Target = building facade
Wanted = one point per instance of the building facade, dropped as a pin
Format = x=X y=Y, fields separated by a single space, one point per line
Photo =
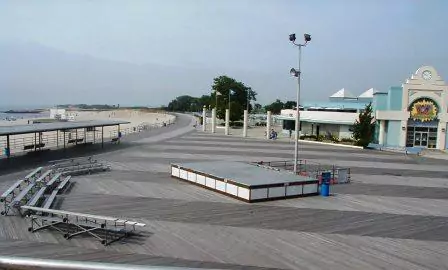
x=415 y=114
x=333 y=118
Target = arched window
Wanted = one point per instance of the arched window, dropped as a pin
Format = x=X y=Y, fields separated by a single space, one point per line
x=423 y=109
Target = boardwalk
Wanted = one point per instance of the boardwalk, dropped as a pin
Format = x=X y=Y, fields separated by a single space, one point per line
x=393 y=216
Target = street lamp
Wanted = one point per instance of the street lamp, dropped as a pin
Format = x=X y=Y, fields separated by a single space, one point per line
x=297 y=73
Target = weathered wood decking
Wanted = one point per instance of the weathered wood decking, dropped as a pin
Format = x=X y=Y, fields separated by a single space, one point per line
x=373 y=223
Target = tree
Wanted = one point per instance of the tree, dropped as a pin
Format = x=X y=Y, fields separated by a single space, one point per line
x=188 y=103
x=258 y=108
x=275 y=107
x=239 y=94
x=364 y=127
x=289 y=105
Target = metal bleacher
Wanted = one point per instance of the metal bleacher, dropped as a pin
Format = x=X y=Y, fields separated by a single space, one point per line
x=78 y=166
x=35 y=194
x=20 y=191
x=106 y=229
x=33 y=190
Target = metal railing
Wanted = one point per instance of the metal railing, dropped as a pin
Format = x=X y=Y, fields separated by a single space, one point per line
x=339 y=175
x=13 y=262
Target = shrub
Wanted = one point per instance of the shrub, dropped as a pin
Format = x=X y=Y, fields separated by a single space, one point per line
x=349 y=140
x=308 y=137
x=237 y=124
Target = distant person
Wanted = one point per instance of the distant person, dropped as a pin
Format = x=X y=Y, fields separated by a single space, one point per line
x=290 y=133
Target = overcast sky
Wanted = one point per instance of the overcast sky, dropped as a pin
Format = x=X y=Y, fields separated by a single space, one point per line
x=147 y=52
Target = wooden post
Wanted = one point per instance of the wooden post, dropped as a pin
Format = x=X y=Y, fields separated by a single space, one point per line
x=102 y=136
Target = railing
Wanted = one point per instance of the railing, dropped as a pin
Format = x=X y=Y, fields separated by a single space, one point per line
x=339 y=175
x=10 y=262
x=141 y=127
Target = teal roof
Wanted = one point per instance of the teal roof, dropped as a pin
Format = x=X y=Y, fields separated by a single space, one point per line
x=355 y=104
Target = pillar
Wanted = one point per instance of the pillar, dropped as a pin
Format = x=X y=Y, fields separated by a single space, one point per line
x=8 y=147
x=227 y=121
x=403 y=133
x=204 y=117
x=213 y=120
x=441 y=135
x=381 y=133
x=268 y=124
x=246 y=120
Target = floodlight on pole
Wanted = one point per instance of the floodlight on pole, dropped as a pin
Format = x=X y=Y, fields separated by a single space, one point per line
x=297 y=74
x=294 y=72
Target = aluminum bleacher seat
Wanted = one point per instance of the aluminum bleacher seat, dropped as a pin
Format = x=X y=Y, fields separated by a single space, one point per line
x=38 y=197
x=56 y=179
x=44 y=178
x=50 y=200
x=64 y=184
x=34 y=174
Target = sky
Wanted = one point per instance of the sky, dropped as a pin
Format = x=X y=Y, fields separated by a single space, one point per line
x=145 y=52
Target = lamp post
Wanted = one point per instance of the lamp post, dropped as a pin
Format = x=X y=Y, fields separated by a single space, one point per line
x=297 y=74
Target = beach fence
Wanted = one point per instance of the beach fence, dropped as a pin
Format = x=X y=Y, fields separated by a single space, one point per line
x=339 y=175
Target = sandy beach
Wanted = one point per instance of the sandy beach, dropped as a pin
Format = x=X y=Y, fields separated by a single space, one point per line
x=138 y=120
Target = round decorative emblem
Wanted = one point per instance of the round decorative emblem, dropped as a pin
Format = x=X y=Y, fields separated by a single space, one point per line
x=424 y=110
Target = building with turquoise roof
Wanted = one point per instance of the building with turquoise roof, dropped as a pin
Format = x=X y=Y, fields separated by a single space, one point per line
x=331 y=118
x=414 y=114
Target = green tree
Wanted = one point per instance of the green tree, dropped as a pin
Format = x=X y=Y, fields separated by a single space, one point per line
x=364 y=127
x=184 y=104
x=275 y=107
x=239 y=94
x=289 y=104
x=258 y=108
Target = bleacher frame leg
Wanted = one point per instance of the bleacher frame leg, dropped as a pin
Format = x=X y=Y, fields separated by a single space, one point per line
x=42 y=225
x=81 y=229
x=6 y=207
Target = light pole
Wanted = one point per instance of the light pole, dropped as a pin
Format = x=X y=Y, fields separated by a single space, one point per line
x=297 y=74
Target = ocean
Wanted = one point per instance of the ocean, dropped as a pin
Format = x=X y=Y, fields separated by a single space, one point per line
x=15 y=116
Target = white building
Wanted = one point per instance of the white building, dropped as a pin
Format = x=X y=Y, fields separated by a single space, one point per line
x=58 y=114
x=333 y=118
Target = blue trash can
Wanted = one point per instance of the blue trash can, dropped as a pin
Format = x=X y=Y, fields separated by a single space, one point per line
x=325 y=187
x=325 y=190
